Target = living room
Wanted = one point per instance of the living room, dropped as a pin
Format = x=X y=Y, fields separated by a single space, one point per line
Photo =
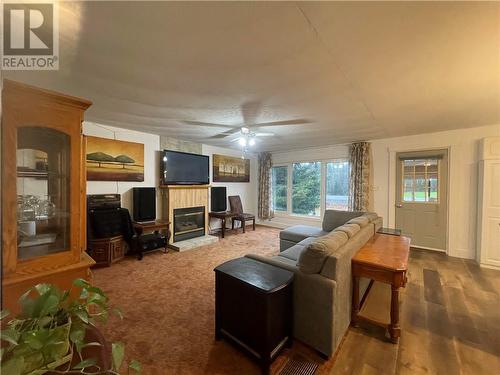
x=250 y=187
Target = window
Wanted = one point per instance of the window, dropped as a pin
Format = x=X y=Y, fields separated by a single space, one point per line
x=337 y=185
x=420 y=180
x=306 y=188
x=280 y=188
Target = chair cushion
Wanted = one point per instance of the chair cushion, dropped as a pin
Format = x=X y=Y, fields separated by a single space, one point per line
x=335 y=218
x=244 y=217
x=349 y=229
x=360 y=220
x=312 y=258
x=298 y=233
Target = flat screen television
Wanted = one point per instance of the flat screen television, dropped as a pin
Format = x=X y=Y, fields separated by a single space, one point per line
x=182 y=168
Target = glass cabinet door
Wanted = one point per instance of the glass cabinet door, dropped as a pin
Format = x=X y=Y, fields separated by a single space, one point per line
x=43 y=192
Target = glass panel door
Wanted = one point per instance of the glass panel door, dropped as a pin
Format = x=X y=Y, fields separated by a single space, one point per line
x=43 y=192
x=420 y=180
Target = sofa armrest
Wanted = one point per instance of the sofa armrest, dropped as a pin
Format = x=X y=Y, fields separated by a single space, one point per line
x=273 y=262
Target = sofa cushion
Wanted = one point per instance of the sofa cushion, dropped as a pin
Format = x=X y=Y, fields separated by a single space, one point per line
x=335 y=218
x=360 y=220
x=312 y=258
x=349 y=229
x=293 y=252
x=370 y=216
x=298 y=233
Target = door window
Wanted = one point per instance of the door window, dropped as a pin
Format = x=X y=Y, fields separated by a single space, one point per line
x=420 y=180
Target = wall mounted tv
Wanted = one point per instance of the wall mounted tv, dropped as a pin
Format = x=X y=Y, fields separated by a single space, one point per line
x=182 y=168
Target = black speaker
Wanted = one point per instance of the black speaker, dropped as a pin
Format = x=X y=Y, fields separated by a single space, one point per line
x=144 y=204
x=218 y=198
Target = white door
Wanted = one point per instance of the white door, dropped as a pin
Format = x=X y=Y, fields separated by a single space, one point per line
x=421 y=197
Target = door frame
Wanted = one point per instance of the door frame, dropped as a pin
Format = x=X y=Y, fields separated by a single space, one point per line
x=393 y=163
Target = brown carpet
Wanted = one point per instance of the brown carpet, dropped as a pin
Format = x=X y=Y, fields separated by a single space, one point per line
x=168 y=303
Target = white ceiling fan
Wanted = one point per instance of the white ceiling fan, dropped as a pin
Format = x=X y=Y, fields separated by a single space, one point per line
x=249 y=130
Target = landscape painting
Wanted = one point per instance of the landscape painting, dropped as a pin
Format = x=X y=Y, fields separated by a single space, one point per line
x=230 y=169
x=112 y=160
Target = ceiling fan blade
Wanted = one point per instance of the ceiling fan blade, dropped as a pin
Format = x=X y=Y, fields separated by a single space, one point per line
x=264 y=134
x=250 y=111
x=209 y=124
x=226 y=134
x=299 y=121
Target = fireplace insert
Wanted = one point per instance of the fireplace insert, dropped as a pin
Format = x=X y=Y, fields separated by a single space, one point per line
x=189 y=223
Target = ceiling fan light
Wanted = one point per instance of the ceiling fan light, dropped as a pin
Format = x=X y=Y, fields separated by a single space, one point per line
x=251 y=142
x=242 y=141
x=245 y=130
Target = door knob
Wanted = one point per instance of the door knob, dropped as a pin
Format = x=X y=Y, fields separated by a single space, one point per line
x=399 y=205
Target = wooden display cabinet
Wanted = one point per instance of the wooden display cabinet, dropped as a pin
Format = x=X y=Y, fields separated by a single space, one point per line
x=43 y=190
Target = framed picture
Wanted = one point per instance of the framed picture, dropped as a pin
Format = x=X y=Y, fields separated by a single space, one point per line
x=112 y=160
x=230 y=169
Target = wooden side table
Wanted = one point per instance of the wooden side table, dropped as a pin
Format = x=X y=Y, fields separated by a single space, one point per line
x=253 y=307
x=156 y=227
x=385 y=259
x=223 y=216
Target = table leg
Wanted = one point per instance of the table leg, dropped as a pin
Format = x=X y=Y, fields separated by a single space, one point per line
x=394 y=328
x=223 y=229
x=355 y=301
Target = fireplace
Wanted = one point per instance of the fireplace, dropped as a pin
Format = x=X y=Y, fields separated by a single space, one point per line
x=188 y=223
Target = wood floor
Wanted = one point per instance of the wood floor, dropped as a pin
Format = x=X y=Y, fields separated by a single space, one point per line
x=450 y=319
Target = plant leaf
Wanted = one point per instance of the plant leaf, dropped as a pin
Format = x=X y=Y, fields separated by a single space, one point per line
x=81 y=283
x=83 y=315
x=77 y=335
x=10 y=335
x=86 y=363
x=117 y=354
x=34 y=342
x=4 y=314
x=135 y=365
x=13 y=366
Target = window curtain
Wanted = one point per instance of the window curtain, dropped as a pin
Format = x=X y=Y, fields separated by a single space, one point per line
x=265 y=211
x=359 y=192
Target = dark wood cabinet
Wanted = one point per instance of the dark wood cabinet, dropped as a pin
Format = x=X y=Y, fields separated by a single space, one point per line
x=253 y=307
x=106 y=251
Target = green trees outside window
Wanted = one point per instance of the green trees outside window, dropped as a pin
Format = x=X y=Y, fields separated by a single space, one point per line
x=306 y=188
x=280 y=188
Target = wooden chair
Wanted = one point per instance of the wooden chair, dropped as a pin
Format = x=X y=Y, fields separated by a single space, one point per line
x=237 y=209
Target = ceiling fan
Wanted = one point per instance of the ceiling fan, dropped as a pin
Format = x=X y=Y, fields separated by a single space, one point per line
x=249 y=130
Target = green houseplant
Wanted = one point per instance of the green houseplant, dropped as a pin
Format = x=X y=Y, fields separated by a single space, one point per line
x=51 y=330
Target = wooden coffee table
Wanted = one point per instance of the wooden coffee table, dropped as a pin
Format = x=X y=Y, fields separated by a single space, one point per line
x=384 y=258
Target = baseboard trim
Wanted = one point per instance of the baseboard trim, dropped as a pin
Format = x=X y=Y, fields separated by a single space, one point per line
x=489 y=266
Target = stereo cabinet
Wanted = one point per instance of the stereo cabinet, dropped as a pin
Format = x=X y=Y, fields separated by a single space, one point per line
x=106 y=251
x=43 y=190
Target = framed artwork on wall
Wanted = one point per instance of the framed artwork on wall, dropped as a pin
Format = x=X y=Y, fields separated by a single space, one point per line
x=112 y=160
x=230 y=169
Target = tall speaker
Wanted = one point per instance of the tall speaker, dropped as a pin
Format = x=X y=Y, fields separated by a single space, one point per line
x=218 y=199
x=144 y=204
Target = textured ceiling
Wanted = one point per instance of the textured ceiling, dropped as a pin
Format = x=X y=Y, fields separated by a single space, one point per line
x=355 y=70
